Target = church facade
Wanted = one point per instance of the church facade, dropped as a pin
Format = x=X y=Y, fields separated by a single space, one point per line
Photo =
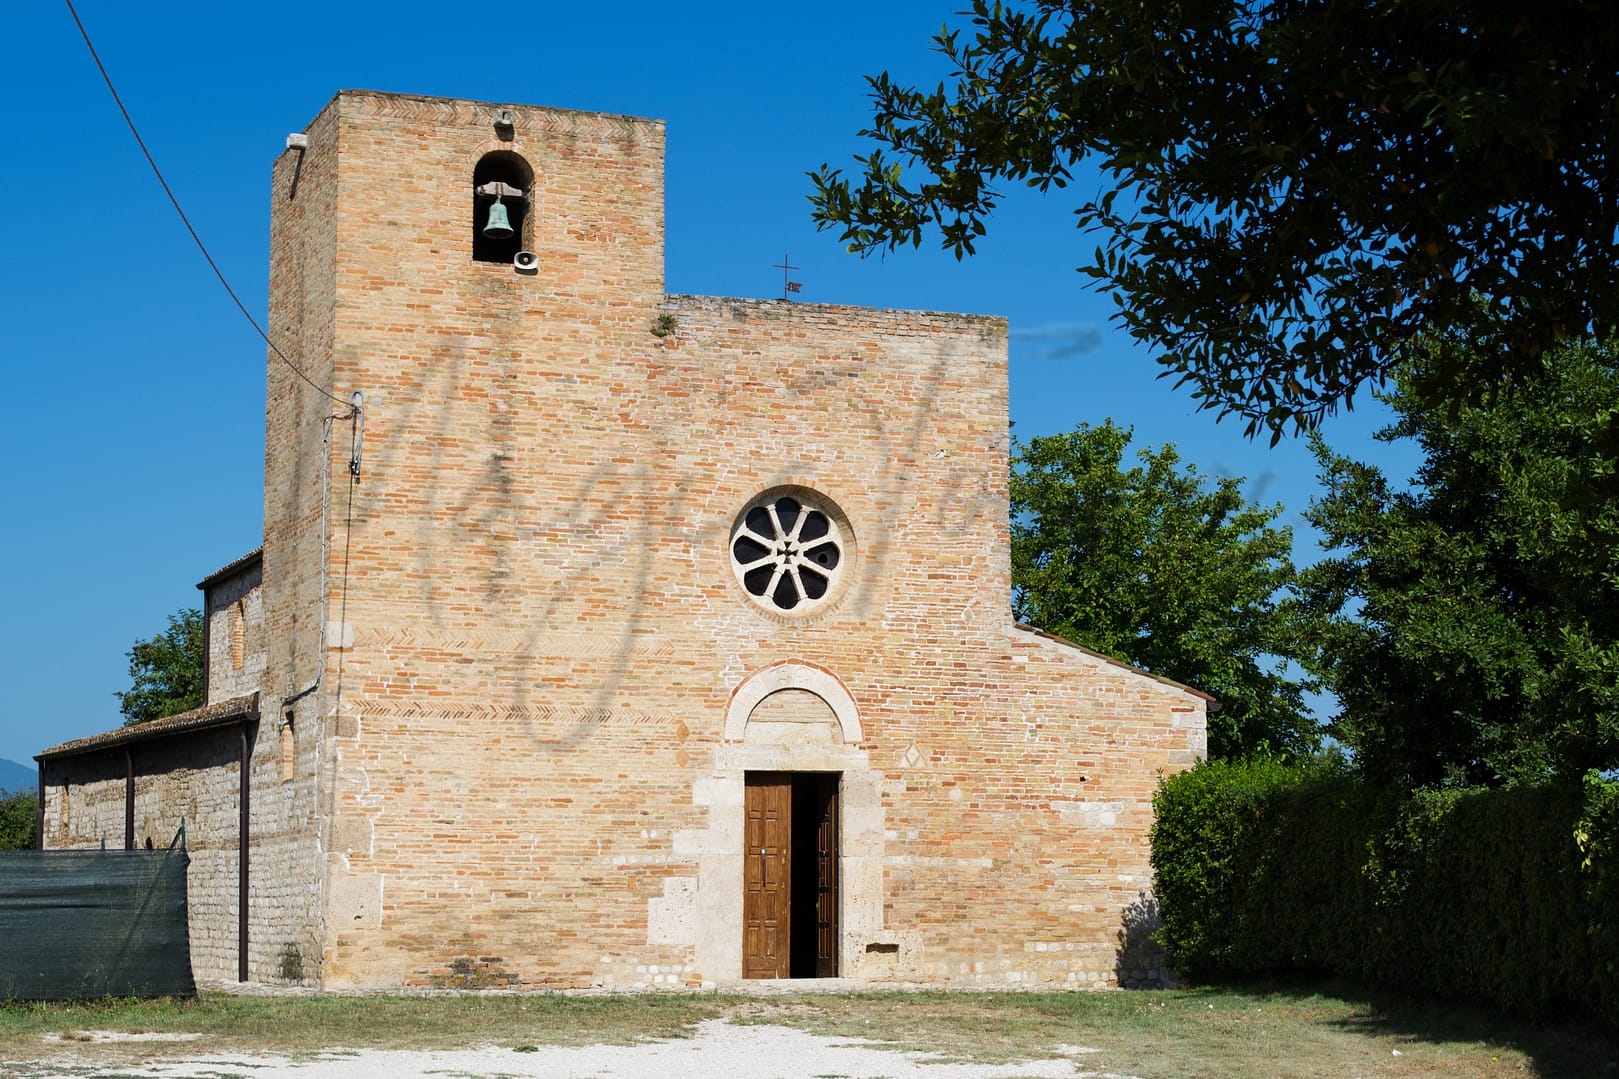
x=607 y=637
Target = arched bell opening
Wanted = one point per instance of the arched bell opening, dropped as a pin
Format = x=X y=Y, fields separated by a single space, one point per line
x=502 y=186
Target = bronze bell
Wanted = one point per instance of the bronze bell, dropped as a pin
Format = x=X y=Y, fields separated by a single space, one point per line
x=499 y=225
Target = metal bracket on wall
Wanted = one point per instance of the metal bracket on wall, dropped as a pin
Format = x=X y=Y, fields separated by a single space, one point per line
x=500 y=188
x=300 y=142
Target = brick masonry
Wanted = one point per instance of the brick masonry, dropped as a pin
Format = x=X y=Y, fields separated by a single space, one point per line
x=535 y=685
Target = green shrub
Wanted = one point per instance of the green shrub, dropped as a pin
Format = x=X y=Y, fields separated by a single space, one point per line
x=19 y=811
x=1208 y=827
x=1596 y=834
x=1506 y=897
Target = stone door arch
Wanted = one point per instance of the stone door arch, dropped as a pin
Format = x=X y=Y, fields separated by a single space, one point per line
x=790 y=717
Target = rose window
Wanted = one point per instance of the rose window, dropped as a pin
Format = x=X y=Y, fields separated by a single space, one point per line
x=788 y=552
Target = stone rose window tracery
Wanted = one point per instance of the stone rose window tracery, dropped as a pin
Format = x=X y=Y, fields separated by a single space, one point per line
x=789 y=550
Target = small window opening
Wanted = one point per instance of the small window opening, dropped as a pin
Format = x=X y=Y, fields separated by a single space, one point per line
x=289 y=751
x=502 y=179
x=238 y=636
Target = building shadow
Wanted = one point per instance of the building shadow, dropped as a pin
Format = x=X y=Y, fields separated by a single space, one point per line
x=1141 y=963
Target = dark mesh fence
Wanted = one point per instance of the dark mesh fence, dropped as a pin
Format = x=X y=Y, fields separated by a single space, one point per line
x=85 y=923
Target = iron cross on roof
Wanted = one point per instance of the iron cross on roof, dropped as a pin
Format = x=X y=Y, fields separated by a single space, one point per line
x=788 y=285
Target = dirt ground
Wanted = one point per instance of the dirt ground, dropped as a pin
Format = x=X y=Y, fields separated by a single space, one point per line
x=718 y=1049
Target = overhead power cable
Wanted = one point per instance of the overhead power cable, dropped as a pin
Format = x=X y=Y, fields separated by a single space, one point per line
x=186 y=220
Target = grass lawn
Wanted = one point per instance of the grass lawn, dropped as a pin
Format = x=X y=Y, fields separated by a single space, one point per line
x=1178 y=1034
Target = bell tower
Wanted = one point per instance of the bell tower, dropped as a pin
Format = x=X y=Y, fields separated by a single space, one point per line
x=460 y=264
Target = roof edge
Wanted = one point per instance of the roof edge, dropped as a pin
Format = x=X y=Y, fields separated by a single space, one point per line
x=219 y=714
x=776 y=305
x=1213 y=701
x=230 y=569
x=352 y=92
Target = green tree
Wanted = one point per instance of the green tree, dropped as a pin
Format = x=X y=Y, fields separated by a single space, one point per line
x=19 y=812
x=1161 y=568
x=1470 y=624
x=1290 y=191
x=165 y=671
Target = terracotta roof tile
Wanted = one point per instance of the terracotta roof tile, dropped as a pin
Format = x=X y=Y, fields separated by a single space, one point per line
x=218 y=714
x=230 y=569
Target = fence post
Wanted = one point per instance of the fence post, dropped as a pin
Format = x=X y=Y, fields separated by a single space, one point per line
x=39 y=810
x=129 y=799
x=243 y=841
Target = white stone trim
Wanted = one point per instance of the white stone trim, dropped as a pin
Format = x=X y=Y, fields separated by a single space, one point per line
x=716 y=925
x=825 y=685
x=786 y=557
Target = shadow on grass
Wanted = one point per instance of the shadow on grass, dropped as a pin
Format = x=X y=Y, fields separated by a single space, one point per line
x=1557 y=1049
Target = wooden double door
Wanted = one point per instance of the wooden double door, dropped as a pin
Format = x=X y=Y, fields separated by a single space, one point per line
x=790 y=903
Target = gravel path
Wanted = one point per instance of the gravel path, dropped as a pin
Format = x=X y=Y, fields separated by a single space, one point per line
x=719 y=1049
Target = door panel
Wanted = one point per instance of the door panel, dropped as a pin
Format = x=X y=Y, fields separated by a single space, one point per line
x=777 y=853
x=767 y=875
x=826 y=866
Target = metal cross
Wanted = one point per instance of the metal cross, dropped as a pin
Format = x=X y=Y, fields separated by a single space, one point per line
x=788 y=285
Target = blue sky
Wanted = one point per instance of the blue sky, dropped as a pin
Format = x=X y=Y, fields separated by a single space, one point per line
x=134 y=389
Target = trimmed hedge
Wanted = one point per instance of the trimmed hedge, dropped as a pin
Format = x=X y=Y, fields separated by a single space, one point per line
x=1503 y=897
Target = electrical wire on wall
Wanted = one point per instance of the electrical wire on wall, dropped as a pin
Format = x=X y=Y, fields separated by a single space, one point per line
x=357 y=433
x=354 y=406
x=175 y=202
x=356 y=417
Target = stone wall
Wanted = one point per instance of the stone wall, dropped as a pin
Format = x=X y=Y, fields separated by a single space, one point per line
x=193 y=779
x=237 y=656
x=187 y=769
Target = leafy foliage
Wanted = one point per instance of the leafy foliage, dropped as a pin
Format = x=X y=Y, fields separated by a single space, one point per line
x=1159 y=567
x=19 y=813
x=165 y=671
x=1503 y=896
x=1207 y=833
x=1291 y=191
x=1471 y=624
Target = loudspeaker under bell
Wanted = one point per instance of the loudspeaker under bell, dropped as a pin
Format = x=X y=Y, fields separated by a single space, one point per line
x=499 y=225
